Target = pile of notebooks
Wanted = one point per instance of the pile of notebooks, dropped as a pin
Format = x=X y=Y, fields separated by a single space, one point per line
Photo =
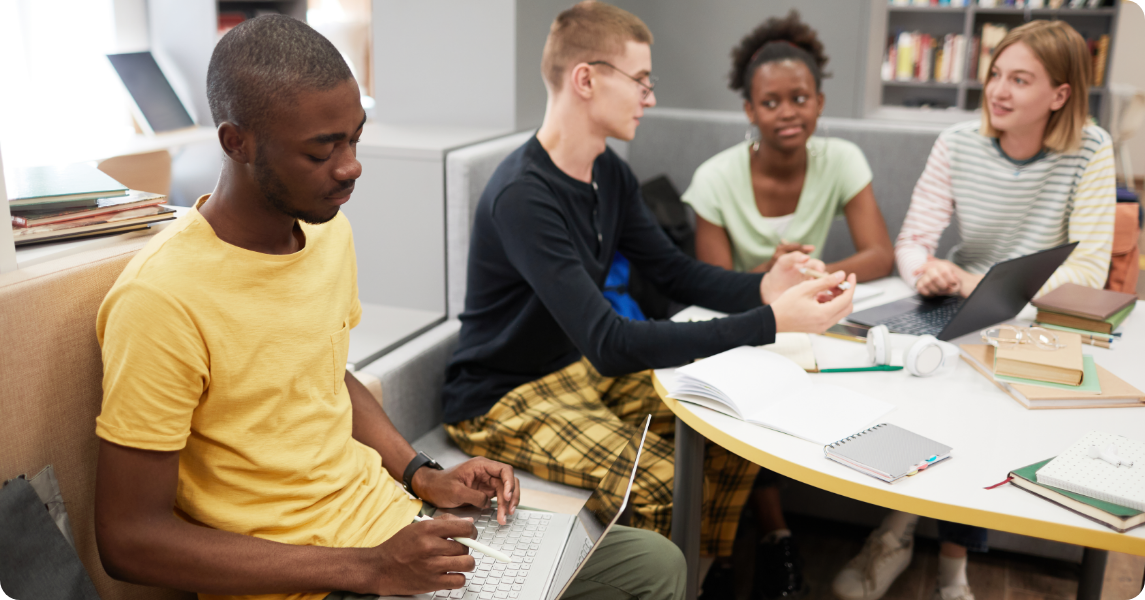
x=1092 y=313
x=78 y=200
x=1062 y=378
x=1113 y=495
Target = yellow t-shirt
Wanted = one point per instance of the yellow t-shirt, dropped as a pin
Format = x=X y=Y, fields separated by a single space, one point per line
x=236 y=359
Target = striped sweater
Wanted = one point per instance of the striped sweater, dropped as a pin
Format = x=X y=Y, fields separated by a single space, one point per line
x=1006 y=208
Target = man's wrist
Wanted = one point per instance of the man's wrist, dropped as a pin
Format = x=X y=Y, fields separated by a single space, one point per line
x=420 y=482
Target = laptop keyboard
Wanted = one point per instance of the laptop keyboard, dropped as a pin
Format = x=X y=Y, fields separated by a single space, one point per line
x=924 y=322
x=520 y=537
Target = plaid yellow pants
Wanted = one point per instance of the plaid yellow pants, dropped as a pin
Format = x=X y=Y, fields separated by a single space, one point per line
x=569 y=426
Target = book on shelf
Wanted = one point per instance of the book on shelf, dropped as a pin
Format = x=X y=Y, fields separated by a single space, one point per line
x=134 y=199
x=992 y=34
x=769 y=390
x=1075 y=470
x=1115 y=392
x=1116 y=517
x=921 y=57
x=92 y=225
x=1100 y=58
x=78 y=184
x=1064 y=365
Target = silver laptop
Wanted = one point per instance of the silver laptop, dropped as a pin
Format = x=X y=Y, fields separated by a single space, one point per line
x=548 y=549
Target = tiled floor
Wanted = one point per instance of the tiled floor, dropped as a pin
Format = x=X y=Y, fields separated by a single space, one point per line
x=827 y=546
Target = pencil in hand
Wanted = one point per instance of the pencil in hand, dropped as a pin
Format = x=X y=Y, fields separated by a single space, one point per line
x=846 y=285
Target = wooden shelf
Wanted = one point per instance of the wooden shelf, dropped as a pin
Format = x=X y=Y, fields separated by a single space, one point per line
x=1048 y=12
x=927 y=9
x=922 y=84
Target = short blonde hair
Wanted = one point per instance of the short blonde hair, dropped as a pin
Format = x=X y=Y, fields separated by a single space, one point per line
x=589 y=31
x=1063 y=53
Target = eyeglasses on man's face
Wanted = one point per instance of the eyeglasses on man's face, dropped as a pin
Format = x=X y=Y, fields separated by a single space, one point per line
x=645 y=88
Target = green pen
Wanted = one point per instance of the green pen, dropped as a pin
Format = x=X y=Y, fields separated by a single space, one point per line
x=855 y=369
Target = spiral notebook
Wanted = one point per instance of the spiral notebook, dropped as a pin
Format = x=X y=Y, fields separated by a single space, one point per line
x=886 y=452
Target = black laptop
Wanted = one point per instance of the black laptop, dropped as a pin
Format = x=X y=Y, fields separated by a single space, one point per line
x=1000 y=296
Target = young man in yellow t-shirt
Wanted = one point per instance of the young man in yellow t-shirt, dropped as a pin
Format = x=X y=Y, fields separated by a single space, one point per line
x=237 y=455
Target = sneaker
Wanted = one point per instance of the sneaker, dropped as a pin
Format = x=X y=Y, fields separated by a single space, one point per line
x=778 y=571
x=868 y=576
x=953 y=592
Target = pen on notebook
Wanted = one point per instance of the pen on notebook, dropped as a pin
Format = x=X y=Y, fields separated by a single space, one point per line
x=478 y=546
x=846 y=285
x=857 y=369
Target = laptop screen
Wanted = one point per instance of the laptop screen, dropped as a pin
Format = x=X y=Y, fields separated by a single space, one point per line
x=610 y=497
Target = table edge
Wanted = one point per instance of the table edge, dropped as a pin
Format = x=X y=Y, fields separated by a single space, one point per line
x=1104 y=540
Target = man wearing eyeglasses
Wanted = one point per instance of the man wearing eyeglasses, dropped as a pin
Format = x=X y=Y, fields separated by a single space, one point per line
x=547 y=377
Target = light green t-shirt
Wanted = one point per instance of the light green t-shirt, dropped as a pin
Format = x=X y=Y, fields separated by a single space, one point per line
x=721 y=192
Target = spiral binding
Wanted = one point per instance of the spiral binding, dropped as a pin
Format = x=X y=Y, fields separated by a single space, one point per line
x=851 y=437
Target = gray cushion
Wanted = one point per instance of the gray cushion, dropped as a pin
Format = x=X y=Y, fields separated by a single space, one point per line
x=412 y=376
x=676 y=141
x=467 y=170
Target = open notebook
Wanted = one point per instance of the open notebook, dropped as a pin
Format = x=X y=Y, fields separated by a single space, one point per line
x=770 y=390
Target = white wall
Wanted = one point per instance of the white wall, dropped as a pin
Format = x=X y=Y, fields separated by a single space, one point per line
x=692 y=49
x=445 y=62
x=1128 y=53
x=693 y=42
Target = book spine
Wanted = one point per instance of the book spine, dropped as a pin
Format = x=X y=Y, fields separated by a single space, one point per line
x=19 y=221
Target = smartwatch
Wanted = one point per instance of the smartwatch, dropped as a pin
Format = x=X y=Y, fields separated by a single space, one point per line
x=421 y=460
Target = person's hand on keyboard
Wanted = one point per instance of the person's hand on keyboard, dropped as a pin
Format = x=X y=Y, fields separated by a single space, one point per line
x=800 y=308
x=420 y=558
x=940 y=277
x=476 y=481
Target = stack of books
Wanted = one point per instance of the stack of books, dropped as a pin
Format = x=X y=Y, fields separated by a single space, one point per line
x=915 y=56
x=1092 y=487
x=73 y=201
x=1094 y=314
x=1070 y=380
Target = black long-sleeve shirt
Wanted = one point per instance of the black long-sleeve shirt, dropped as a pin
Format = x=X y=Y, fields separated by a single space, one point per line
x=540 y=250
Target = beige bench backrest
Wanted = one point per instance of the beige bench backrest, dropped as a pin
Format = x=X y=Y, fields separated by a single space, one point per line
x=50 y=388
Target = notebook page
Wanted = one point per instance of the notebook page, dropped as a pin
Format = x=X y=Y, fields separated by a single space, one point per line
x=822 y=413
x=749 y=378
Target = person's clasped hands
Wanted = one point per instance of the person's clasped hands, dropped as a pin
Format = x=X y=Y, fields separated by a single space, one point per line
x=939 y=277
x=800 y=303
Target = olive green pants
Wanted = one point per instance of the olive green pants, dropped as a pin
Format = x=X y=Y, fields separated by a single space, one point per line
x=629 y=563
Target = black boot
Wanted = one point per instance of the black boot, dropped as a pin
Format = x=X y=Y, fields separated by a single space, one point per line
x=778 y=571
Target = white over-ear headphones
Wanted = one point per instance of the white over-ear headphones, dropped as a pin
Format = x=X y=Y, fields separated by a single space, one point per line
x=926 y=356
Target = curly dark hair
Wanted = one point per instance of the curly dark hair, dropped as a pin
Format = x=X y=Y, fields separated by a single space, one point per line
x=788 y=38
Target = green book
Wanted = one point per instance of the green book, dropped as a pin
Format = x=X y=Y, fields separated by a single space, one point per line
x=1119 y=316
x=79 y=184
x=1116 y=517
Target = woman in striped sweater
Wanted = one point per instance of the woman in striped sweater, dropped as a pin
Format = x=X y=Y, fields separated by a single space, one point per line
x=1030 y=176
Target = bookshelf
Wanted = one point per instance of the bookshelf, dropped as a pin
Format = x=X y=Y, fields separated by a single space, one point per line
x=953 y=101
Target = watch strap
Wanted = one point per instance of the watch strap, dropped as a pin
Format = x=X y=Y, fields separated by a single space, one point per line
x=420 y=460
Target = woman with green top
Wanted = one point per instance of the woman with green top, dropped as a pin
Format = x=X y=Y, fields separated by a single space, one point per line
x=780 y=190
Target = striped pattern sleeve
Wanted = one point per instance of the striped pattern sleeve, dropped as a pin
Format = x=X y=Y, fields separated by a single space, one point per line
x=1091 y=224
x=931 y=207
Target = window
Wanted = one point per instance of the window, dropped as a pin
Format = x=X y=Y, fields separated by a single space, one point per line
x=59 y=97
